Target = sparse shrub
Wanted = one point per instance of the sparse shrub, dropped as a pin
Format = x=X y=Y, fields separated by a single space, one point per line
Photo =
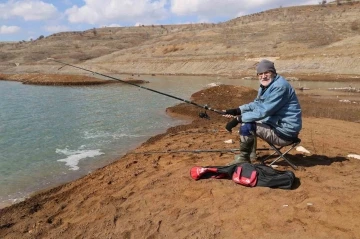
x=40 y=37
x=172 y=48
x=355 y=25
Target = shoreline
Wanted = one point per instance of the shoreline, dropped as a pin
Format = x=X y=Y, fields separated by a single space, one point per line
x=64 y=79
x=142 y=195
x=112 y=160
x=171 y=111
x=85 y=79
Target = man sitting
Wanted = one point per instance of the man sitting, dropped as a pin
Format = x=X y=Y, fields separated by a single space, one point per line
x=274 y=116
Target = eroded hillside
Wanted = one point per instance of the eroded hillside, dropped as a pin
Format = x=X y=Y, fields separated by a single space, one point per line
x=305 y=39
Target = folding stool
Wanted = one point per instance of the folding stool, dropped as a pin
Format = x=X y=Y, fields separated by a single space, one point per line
x=292 y=145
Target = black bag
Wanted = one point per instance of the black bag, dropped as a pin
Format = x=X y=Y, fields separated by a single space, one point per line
x=247 y=174
x=272 y=178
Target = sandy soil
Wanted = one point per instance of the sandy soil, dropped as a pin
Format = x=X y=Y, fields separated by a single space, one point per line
x=151 y=195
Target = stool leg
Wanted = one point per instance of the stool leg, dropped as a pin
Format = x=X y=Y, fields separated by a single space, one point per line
x=281 y=155
x=275 y=151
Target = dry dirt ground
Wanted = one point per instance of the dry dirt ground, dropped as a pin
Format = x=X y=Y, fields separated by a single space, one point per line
x=144 y=195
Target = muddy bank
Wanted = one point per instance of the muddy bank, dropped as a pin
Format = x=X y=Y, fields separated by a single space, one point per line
x=63 y=79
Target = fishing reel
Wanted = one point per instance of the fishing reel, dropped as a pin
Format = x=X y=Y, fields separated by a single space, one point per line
x=204 y=115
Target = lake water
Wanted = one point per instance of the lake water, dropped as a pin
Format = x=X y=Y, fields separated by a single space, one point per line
x=51 y=135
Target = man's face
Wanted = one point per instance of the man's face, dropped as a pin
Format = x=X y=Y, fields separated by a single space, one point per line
x=266 y=78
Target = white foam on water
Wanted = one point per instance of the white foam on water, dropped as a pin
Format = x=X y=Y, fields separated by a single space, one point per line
x=74 y=156
x=102 y=134
x=213 y=84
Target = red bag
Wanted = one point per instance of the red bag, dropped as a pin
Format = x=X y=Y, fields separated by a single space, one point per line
x=246 y=175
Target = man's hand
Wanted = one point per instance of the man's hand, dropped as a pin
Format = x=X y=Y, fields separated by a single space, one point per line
x=233 y=123
x=234 y=112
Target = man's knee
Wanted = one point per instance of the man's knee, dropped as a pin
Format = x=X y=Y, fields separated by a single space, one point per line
x=248 y=129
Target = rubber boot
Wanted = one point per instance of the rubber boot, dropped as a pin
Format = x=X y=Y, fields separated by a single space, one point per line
x=246 y=146
x=253 y=155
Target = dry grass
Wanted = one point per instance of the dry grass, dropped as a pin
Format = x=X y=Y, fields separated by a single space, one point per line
x=172 y=48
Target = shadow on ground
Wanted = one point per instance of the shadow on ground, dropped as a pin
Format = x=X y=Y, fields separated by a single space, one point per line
x=306 y=161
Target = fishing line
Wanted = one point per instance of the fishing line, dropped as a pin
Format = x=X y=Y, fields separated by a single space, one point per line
x=188 y=151
x=201 y=115
x=194 y=151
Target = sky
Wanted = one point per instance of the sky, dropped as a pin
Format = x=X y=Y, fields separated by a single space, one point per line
x=29 y=19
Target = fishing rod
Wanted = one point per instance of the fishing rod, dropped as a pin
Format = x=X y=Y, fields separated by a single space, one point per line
x=201 y=114
x=193 y=151
x=188 y=151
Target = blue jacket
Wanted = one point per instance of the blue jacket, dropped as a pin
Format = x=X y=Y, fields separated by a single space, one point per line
x=276 y=105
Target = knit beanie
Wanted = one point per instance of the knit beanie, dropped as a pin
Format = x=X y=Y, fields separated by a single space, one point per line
x=265 y=65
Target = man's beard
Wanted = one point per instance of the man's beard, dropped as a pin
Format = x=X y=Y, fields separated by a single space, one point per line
x=266 y=83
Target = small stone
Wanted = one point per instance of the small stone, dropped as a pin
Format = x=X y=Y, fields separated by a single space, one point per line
x=230 y=141
x=302 y=149
x=356 y=156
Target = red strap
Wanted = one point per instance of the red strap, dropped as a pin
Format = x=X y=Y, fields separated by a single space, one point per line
x=237 y=178
x=197 y=172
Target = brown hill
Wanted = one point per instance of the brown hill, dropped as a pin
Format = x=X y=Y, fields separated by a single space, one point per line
x=314 y=39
